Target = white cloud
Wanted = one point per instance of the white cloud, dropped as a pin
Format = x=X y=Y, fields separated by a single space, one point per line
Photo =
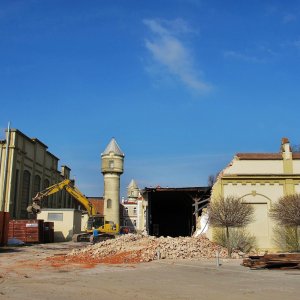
x=169 y=51
x=244 y=57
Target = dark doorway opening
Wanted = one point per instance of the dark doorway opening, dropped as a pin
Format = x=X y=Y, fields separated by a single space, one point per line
x=172 y=211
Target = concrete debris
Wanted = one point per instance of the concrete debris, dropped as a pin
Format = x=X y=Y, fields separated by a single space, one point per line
x=149 y=248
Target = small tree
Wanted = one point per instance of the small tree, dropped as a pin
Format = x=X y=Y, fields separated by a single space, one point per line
x=287 y=213
x=228 y=212
x=211 y=180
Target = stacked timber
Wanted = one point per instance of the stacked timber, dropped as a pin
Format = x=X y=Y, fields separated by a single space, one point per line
x=273 y=261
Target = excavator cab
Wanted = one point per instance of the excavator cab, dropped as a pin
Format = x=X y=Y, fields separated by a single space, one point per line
x=95 y=221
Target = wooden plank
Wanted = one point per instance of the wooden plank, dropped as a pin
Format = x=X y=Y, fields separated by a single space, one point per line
x=275 y=261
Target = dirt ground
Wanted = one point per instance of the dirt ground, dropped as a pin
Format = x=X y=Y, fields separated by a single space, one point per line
x=38 y=272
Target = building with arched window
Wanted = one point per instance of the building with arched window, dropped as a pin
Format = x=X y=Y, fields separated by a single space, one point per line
x=260 y=179
x=132 y=213
x=27 y=167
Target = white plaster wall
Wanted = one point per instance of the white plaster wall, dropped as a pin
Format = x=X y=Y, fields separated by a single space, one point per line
x=261 y=197
x=255 y=167
x=139 y=216
x=84 y=220
x=63 y=230
x=270 y=191
x=296 y=166
x=297 y=188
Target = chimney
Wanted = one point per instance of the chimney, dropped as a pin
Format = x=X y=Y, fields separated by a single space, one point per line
x=286 y=148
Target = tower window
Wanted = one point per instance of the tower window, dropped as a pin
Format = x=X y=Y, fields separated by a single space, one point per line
x=109 y=203
x=111 y=164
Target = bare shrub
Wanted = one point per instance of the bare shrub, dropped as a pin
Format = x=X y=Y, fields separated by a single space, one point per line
x=227 y=212
x=212 y=179
x=286 y=212
x=285 y=238
x=240 y=239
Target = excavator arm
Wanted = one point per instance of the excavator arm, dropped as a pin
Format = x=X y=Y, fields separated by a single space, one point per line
x=67 y=185
x=75 y=193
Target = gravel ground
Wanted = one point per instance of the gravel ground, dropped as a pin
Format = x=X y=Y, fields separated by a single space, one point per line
x=29 y=272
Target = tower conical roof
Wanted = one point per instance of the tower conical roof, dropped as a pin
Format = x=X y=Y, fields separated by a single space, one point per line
x=113 y=147
x=132 y=184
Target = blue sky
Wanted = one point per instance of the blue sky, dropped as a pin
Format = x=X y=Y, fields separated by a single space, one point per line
x=181 y=84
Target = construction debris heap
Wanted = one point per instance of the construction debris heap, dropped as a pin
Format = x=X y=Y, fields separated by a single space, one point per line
x=134 y=248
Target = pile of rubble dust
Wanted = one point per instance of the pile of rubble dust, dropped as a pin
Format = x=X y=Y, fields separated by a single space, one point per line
x=135 y=248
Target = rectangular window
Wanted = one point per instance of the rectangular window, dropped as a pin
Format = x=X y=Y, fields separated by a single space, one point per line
x=111 y=164
x=55 y=217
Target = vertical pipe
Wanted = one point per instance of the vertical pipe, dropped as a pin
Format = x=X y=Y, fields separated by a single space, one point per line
x=5 y=169
x=1 y=160
x=1 y=181
x=218 y=258
x=1 y=156
x=11 y=168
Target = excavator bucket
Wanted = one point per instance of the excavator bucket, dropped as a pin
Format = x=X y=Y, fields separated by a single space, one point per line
x=34 y=209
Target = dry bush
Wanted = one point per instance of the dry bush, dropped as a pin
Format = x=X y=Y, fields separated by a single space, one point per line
x=285 y=238
x=227 y=212
x=240 y=239
x=286 y=212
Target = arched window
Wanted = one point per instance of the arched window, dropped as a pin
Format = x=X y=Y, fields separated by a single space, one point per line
x=46 y=199
x=134 y=210
x=126 y=211
x=109 y=203
x=25 y=194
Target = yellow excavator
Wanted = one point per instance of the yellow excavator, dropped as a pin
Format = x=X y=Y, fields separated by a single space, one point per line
x=105 y=229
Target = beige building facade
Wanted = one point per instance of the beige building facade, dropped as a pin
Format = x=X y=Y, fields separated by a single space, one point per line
x=133 y=213
x=67 y=222
x=27 y=167
x=260 y=179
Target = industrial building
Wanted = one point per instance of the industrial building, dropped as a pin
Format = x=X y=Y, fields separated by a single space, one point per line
x=27 y=167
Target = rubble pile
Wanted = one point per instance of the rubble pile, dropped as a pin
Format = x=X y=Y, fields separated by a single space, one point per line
x=148 y=248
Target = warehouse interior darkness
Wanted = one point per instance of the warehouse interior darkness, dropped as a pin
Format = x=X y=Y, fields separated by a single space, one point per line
x=171 y=211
